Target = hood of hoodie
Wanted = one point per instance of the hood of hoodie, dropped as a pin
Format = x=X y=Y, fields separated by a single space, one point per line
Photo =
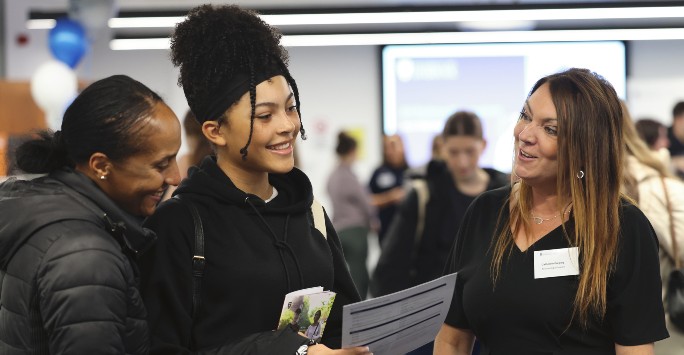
x=295 y=193
x=29 y=205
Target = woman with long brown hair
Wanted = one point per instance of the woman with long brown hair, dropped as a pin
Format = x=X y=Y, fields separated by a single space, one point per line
x=559 y=263
x=660 y=195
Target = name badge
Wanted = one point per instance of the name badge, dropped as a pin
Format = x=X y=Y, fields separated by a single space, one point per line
x=556 y=262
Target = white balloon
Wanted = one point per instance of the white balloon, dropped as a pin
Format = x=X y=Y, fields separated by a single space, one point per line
x=53 y=87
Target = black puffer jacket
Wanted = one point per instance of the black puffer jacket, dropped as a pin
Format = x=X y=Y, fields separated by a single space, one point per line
x=68 y=284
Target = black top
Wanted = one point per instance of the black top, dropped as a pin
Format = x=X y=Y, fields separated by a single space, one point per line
x=401 y=264
x=524 y=315
x=385 y=178
x=255 y=253
x=676 y=147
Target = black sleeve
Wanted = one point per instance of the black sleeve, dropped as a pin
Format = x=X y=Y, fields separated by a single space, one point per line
x=343 y=286
x=635 y=308
x=455 y=262
x=166 y=286
x=392 y=271
x=373 y=183
x=260 y=343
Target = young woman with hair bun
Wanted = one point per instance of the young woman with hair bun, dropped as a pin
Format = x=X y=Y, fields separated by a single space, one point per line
x=262 y=236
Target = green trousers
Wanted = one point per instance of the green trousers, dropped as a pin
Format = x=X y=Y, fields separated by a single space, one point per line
x=355 y=246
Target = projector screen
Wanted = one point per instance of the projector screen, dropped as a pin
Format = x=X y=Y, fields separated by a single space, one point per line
x=423 y=85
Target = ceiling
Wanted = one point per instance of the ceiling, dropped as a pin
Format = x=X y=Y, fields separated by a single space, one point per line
x=137 y=8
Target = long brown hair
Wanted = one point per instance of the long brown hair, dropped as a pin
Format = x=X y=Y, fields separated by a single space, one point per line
x=637 y=148
x=589 y=140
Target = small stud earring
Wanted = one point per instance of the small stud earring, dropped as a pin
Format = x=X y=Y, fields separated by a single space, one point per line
x=103 y=177
x=580 y=174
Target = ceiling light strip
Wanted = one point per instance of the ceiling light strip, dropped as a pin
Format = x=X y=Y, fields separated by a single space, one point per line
x=441 y=37
x=413 y=17
x=483 y=15
x=145 y=22
x=485 y=37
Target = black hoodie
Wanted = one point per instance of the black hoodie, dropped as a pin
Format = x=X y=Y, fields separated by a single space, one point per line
x=256 y=252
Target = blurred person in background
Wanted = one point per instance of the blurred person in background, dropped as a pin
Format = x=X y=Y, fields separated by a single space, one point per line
x=648 y=180
x=416 y=247
x=675 y=134
x=452 y=182
x=653 y=133
x=352 y=214
x=387 y=181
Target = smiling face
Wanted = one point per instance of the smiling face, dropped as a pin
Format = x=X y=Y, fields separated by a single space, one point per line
x=276 y=126
x=136 y=183
x=536 y=140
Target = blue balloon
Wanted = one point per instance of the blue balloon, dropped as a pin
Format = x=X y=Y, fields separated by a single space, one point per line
x=68 y=41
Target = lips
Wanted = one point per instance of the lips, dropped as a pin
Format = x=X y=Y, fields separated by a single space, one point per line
x=522 y=152
x=157 y=195
x=280 y=146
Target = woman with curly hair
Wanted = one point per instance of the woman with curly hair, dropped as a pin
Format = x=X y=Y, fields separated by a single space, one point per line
x=263 y=237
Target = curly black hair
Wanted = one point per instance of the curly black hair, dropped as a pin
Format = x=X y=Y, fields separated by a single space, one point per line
x=218 y=45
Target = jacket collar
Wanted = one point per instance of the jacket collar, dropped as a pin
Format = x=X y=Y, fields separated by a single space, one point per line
x=125 y=228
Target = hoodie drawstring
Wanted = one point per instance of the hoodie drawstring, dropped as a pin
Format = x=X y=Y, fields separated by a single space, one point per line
x=281 y=245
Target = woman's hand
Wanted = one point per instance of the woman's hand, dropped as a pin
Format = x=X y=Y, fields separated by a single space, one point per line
x=320 y=349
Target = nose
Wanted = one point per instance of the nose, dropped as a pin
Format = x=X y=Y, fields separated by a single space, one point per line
x=288 y=123
x=462 y=161
x=173 y=174
x=526 y=135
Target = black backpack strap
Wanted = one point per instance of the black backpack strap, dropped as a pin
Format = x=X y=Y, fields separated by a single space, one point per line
x=198 y=261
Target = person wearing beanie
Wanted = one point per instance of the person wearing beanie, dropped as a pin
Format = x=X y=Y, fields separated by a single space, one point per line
x=257 y=212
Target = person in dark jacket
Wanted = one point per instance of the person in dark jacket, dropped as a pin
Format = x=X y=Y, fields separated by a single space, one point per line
x=418 y=241
x=435 y=212
x=69 y=239
x=387 y=182
x=261 y=239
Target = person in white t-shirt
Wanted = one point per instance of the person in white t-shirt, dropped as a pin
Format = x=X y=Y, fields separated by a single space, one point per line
x=313 y=332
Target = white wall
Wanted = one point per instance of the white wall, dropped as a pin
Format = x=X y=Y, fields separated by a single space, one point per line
x=656 y=78
x=340 y=86
x=340 y=89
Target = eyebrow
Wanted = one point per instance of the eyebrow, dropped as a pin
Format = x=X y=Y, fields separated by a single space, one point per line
x=527 y=106
x=271 y=104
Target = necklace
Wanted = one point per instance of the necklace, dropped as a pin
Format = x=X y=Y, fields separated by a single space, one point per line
x=540 y=220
